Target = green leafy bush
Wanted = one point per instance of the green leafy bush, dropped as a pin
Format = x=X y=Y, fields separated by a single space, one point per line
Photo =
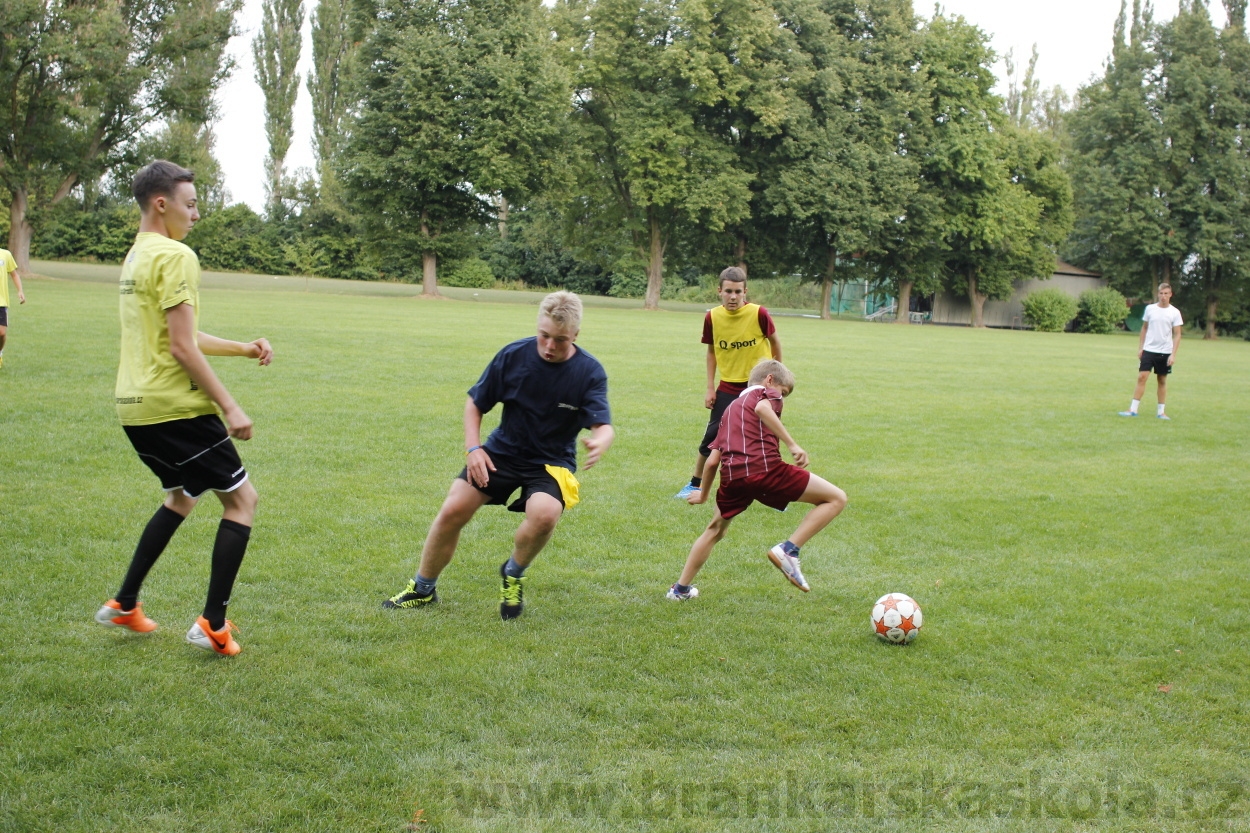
x=237 y=239
x=629 y=277
x=473 y=273
x=1050 y=310
x=104 y=235
x=1101 y=310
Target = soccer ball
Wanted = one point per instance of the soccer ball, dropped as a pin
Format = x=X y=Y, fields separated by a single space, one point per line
x=896 y=618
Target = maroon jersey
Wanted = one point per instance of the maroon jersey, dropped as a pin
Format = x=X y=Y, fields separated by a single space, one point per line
x=748 y=449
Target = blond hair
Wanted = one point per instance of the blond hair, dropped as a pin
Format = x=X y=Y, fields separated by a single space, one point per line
x=781 y=374
x=563 y=308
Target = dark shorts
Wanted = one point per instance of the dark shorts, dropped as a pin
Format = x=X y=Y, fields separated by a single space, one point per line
x=723 y=401
x=4 y=316
x=194 y=455
x=1156 y=363
x=511 y=474
x=778 y=489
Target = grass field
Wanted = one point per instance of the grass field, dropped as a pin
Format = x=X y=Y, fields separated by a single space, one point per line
x=1083 y=663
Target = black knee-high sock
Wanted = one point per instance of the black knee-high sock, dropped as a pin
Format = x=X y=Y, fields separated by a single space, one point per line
x=228 y=551
x=152 y=543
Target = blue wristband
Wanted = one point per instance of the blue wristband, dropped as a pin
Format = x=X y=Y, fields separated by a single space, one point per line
x=471 y=450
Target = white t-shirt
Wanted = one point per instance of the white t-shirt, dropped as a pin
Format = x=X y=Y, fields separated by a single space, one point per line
x=1159 y=322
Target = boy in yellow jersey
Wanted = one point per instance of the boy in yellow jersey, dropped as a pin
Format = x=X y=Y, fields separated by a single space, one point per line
x=9 y=265
x=738 y=335
x=168 y=398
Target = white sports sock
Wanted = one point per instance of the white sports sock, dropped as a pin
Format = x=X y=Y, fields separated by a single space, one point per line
x=1132 y=408
x=1160 y=409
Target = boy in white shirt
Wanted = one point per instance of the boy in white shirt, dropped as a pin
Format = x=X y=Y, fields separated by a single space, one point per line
x=1156 y=351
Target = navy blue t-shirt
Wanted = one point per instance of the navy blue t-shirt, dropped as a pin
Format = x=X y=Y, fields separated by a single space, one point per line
x=545 y=404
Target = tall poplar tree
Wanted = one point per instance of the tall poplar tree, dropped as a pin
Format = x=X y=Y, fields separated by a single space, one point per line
x=276 y=51
x=82 y=81
x=332 y=50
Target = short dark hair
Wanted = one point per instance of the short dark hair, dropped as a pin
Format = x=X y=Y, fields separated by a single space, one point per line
x=734 y=274
x=158 y=179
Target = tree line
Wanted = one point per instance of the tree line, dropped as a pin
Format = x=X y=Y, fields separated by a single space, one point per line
x=627 y=147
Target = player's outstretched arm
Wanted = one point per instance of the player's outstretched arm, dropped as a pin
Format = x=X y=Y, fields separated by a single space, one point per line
x=214 y=346
x=184 y=347
x=599 y=441
x=773 y=423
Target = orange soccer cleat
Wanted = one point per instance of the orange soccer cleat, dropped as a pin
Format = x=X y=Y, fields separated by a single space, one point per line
x=112 y=615
x=203 y=636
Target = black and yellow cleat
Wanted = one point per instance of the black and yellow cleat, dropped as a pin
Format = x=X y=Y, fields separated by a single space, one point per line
x=408 y=598
x=511 y=595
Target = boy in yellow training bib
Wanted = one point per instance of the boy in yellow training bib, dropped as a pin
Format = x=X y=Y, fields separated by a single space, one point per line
x=738 y=335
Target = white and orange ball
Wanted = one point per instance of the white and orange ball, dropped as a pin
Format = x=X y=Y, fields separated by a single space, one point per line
x=897 y=618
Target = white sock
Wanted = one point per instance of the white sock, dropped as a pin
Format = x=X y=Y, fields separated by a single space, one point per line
x=1160 y=409
x=1132 y=408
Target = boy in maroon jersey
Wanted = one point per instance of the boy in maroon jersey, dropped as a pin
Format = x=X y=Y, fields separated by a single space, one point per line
x=748 y=454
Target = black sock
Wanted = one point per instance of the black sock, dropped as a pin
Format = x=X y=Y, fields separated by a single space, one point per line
x=228 y=551
x=696 y=482
x=152 y=543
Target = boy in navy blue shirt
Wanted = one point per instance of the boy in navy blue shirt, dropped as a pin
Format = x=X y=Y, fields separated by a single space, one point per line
x=550 y=390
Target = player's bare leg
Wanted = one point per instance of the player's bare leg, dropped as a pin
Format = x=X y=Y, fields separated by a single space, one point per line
x=457 y=510
x=828 y=502
x=702 y=547
x=238 y=506
x=1140 y=390
x=179 y=501
x=542 y=514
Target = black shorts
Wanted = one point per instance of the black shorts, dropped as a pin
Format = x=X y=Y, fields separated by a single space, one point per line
x=194 y=455
x=1156 y=363
x=723 y=401
x=511 y=474
x=4 y=316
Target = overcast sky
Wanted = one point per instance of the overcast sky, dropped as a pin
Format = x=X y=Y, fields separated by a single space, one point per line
x=1073 y=38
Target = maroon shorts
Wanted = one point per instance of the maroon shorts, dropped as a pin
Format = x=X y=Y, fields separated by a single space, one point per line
x=778 y=489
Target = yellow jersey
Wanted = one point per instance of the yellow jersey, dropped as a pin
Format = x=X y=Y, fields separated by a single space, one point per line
x=158 y=274
x=9 y=265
